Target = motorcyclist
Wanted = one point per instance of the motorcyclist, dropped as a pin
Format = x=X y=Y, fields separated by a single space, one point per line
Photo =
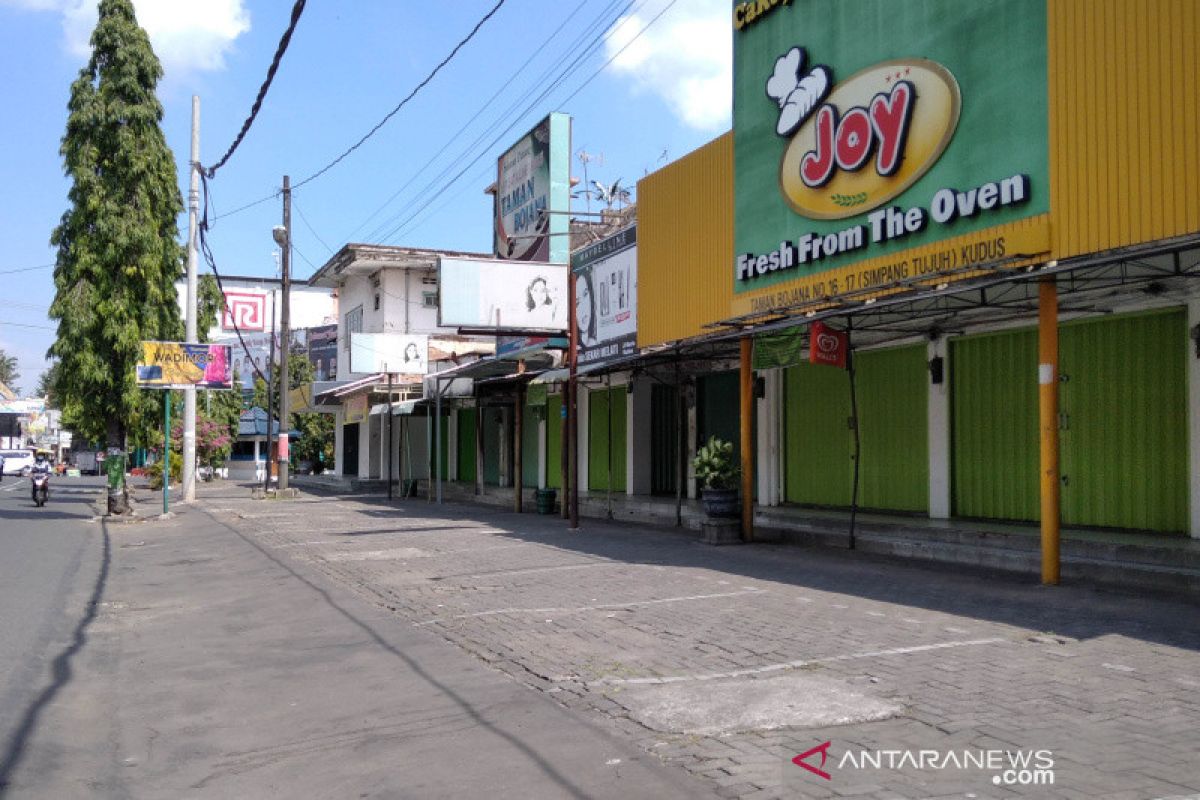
x=41 y=466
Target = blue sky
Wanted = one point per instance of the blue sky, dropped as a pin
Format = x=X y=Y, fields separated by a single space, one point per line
x=349 y=64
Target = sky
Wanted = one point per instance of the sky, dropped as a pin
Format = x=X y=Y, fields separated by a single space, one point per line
x=645 y=82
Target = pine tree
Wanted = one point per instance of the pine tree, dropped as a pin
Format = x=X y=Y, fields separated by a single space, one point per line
x=118 y=242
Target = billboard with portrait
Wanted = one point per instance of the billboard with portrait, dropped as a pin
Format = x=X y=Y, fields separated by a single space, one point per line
x=395 y=353
x=502 y=295
x=606 y=297
x=533 y=194
x=178 y=365
x=323 y=351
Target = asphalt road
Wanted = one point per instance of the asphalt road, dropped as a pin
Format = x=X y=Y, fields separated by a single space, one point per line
x=50 y=561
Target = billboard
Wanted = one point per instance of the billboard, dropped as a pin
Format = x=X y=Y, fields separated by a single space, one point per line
x=606 y=297
x=502 y=295
x=323 y=351
x=879 y=146
x=396 y=353
x=178 y=365
x=256 y=352
x=532 y=181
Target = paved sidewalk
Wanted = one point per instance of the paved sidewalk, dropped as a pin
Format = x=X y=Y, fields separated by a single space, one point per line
x=216 y=666
x=731 y=661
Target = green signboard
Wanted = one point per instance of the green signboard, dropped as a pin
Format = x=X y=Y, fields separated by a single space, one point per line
x=866 y=128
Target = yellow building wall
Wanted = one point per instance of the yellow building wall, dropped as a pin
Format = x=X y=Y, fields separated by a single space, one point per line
x=685 y=244
x=1124 y=122
x=1124 y=138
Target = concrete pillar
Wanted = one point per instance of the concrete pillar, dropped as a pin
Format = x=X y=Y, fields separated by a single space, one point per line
x=1193 y=378
x=543 y=458
x=339 y=420
x=581 y=429
x=939 y=433
x=770 y=439
x=364 y=449
x=691 y=450
x=637 y=437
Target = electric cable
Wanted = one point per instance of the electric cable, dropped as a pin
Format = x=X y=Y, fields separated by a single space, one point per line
x=451 y=139
x=308 y=225
x=575 y=65
x=405 y=101
x=297 y=10
x=601 y=22
x=25 y=269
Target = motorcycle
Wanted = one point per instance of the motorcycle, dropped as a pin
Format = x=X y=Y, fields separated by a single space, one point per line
x=41 y=487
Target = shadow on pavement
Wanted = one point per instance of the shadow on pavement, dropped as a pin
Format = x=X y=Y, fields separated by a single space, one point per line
x=1075 y=610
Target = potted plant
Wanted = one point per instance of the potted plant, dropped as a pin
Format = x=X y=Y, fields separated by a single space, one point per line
x=718 y=476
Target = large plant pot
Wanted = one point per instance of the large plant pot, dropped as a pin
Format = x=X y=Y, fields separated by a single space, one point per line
x=721 y=503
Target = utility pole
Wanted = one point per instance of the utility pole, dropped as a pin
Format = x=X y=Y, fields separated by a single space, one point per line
x=284 y=335
x=270 y=394
x=189 y=394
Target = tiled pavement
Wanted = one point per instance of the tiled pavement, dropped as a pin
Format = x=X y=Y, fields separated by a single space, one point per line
x=614 y=618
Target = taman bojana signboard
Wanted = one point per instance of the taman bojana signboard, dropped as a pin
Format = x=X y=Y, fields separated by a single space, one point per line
x=878 y=142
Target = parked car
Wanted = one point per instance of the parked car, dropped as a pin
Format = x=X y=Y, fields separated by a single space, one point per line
x=17 y=462
x=87 y=462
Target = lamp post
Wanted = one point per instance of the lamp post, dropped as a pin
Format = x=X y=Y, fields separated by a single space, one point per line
x=283 y=238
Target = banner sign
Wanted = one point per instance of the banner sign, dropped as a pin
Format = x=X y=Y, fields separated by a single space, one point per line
x=356 y=409
x=533 y=194
x=875 y=144
x=827 y=346
x=395 y=353
x=323 y=351
x=502 y=295
x=606 y=297
x=178 y=365
x=250 y=352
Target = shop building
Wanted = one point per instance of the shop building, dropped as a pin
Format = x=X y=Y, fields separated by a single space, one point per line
x=1003 y=230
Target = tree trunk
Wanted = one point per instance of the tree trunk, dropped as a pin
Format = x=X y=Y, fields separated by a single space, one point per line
x=118 y=494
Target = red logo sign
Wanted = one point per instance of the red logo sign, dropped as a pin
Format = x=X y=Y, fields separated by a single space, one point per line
x=827 y=346
x=245 y=311
x=823 y=749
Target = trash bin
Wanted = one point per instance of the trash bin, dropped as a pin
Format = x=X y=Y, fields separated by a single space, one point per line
x=545 y=500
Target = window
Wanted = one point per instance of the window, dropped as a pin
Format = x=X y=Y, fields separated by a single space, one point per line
x=429 y=299
x=354 y=324
x=377 y=301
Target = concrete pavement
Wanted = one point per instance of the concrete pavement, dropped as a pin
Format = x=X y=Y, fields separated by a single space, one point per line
x=732 y=662
x=217 y=666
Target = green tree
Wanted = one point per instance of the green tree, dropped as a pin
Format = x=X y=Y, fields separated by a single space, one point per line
x=47 y=386
x=316 y=430
x=209 y=304
x=9 y=374
x=119 y=253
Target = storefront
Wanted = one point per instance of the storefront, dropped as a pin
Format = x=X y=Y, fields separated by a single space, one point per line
x=1008 y=250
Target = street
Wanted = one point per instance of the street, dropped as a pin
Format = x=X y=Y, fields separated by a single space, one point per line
x=341 y=646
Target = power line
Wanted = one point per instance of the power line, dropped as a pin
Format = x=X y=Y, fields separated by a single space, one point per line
x=25 y=269
x=381 y=232
x=404 y=102
x=565 y=75
x=25 y=325
x=451 y=139
x=297 y=10
x=240 y=209
x=308 y=225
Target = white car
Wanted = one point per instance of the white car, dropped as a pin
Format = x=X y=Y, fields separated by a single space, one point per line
x=17 y=462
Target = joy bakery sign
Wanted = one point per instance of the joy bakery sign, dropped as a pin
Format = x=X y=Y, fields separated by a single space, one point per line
x=849 y=183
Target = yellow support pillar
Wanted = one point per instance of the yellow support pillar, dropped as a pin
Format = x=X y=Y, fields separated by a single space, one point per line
x=747 y=431
x=1048 y=424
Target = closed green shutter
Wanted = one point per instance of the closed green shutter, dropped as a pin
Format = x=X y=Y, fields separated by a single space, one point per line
x=529 y=446
x=664 y=438
x=893 y=403
x=493 y=420
x=893 y=424
x=817 y=464
x=1124 y=422
x=466 y=445
x=554 y=438
x=606 y=445
x=994 y=423
x=718 y=405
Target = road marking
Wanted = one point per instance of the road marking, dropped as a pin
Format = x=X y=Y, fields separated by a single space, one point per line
x=742 y=673
x=600 y=607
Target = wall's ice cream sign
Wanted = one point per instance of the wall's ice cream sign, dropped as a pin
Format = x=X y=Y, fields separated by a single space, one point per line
x=857 y=145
